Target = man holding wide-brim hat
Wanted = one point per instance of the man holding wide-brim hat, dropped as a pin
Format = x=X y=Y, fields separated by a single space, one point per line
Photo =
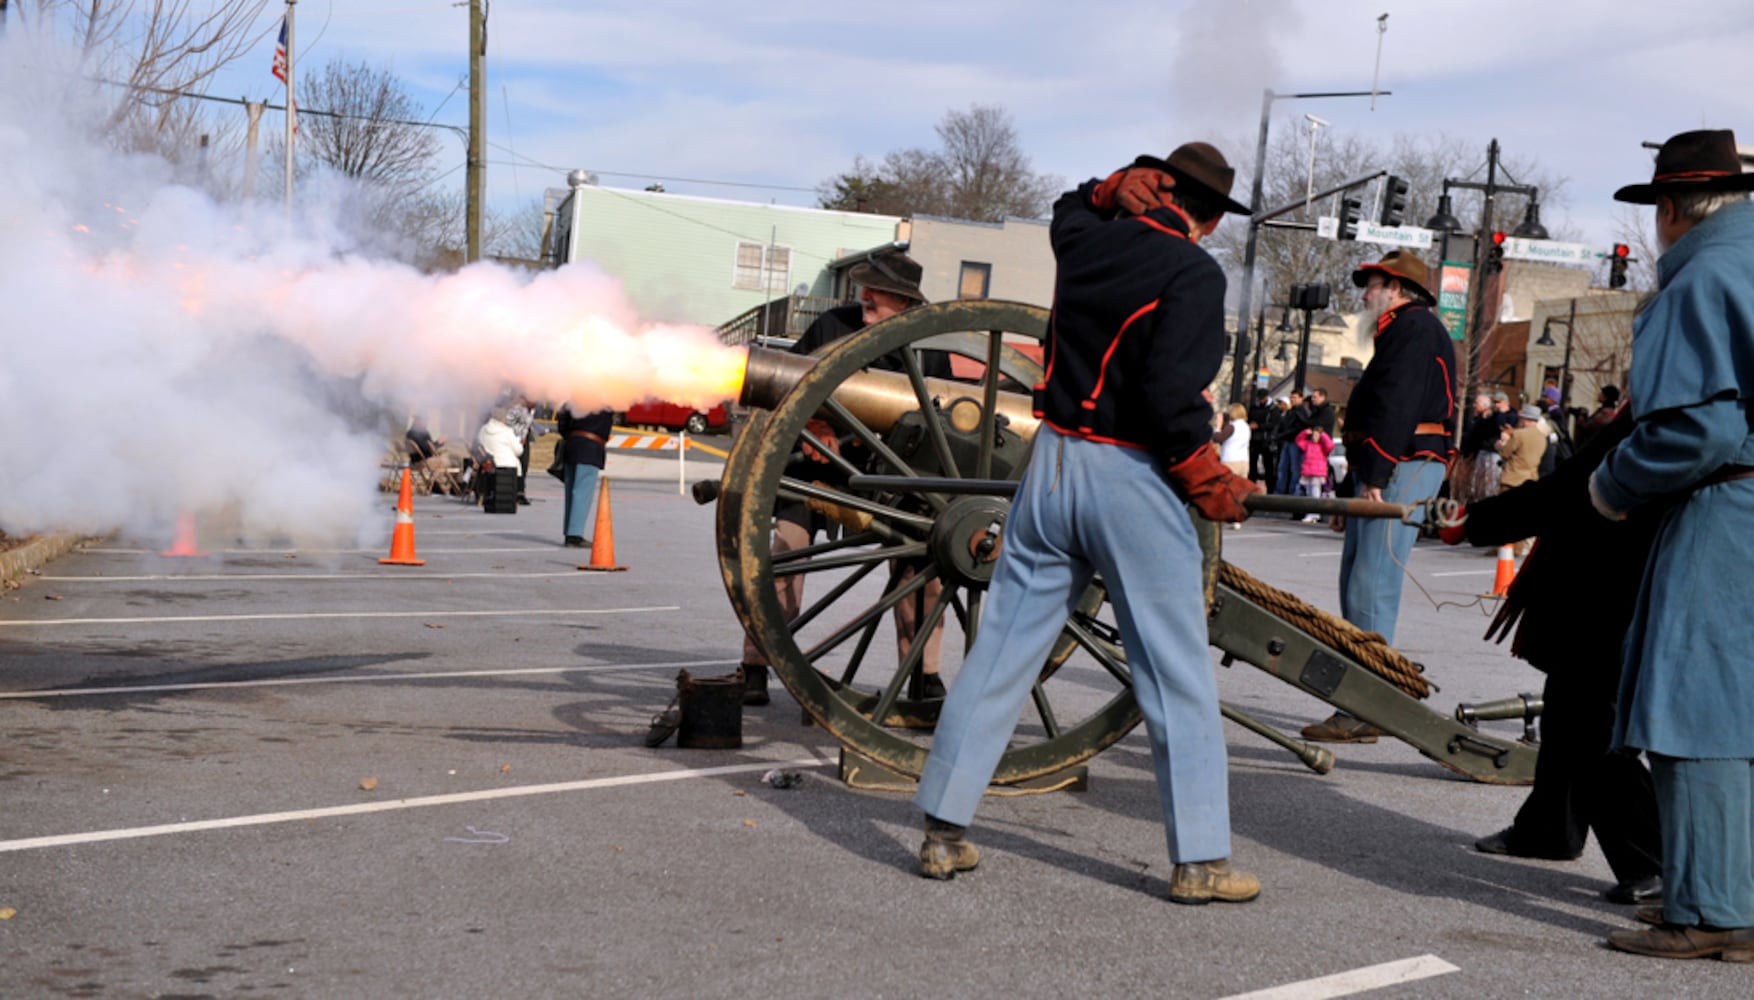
x=1397 y=447
x=1687 y=686
x=1125 y=444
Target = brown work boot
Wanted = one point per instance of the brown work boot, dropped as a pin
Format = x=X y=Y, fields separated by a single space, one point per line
x=1341 y=728
x=1652 y=915
x=946 y=850
x=1675 y=941
x=1201 y=882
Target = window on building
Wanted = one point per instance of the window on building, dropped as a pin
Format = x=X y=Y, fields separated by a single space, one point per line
x=974 y=281
x=763 y=268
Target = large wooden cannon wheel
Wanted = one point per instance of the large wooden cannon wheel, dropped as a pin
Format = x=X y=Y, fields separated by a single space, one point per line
x=918 y=492
x=833 y=657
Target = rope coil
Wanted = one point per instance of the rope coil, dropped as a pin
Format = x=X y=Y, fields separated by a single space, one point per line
x=1369 y=649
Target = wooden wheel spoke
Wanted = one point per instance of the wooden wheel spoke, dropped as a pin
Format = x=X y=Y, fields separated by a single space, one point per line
x=870 y=614
x=989 y=405
x=818 y=454
x=823 y=548
x=868 y=557
x=858 y=657
x=916 y=649
x=809 y=614
x=798 y=489
x=934 y=427
x=1044 y=710
x=972 y=627
x=1101 y=650
x=874 y=441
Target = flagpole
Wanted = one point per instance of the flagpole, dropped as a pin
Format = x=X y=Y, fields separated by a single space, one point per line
x=291 y=111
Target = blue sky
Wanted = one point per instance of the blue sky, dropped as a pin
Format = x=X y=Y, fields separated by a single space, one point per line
x=782 y=94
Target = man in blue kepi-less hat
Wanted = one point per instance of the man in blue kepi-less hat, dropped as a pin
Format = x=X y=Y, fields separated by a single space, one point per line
x=1687 y=688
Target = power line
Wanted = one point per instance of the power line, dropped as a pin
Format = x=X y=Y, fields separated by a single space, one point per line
x=460 y=132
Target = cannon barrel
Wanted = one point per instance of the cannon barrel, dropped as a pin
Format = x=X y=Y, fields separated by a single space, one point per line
x=878 y=398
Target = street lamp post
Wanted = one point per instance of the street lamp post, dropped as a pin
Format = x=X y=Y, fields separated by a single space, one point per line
x=1546 y=340
x=1444 y=221
x=1245 y=295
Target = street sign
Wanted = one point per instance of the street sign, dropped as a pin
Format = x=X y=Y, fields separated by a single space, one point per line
x=1551 y=251
x=1394 y=236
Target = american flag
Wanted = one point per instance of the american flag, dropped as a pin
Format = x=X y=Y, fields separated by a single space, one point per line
x=279 y=69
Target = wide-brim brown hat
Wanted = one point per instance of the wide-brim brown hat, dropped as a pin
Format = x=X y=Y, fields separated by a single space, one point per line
x=1402 y=264
x=1200 y=165
x=889 y=271
x=1692 y=162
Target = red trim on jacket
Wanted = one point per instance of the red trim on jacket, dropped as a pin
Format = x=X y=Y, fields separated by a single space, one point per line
x=1086 y=436
x=1102 y=369
x=1449 y=391
x=1160 y=227
x=1372 y=442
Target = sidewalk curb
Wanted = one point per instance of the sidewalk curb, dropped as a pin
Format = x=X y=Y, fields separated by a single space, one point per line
x=16 y=565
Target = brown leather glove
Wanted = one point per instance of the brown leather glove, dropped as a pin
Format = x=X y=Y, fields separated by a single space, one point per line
x=1214 y=490
x=818 y=431
x=1135 y=190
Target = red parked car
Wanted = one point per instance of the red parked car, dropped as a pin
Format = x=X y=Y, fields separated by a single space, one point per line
x=658 y=413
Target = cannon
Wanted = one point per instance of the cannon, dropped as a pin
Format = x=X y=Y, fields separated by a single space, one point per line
x=920 y=508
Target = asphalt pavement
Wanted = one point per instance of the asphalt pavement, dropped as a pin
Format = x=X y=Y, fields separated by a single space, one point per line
x=301 y=773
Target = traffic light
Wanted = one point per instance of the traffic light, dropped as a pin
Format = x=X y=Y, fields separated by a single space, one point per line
x=1349 y=213
x=1394 y=201
x=1495 y=254
x=1311 y=297
x=1617 y=262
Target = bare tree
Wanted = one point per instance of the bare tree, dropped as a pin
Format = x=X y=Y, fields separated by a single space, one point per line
x=363 y=129
x=155 y=48
x=979 y=173
x=517 y=234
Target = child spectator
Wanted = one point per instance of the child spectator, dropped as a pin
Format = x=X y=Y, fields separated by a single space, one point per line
x=1317 y=445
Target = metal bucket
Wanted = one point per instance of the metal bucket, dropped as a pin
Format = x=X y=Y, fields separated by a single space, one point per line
x=711 y=710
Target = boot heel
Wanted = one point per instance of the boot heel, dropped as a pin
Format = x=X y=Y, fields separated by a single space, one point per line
x=1738 y=953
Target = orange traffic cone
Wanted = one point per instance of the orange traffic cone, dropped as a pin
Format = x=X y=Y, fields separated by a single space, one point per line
x=1506 y=570
x=603 y=535
x=184 y=546
x=402 y=540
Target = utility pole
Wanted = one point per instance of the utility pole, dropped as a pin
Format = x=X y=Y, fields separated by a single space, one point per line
x=253 y=111
x=291 y=108
x=477 y=166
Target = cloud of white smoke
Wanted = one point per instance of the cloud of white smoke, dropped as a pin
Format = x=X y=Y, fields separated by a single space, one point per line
x=161 y=353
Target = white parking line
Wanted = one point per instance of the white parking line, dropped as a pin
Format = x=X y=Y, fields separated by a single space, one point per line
x=1467 y=572
x=316 y=615
x=1345 y=984
x=261 y=819
x=352 y=679
x=400 y=577
x=313 y=552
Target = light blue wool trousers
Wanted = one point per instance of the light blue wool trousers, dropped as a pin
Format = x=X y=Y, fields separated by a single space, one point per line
x=1706 y=808
x=1085 y=508
x=1376 y=548
x=581 y=496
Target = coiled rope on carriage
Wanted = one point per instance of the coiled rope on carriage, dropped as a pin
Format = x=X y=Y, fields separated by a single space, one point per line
x=1369 y=649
